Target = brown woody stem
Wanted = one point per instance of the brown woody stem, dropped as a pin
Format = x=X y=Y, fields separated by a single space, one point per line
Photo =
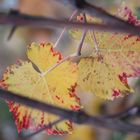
x=44 y=22
x=79 y=117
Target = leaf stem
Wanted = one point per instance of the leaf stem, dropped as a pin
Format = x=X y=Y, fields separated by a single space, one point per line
x=63 y=31
x=57 y=64
x=83 y=37
x=95 y=41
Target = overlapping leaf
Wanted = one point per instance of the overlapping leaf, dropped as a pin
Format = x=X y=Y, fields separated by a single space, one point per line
x=105 y=72
x=56 y=87
x=97 y=75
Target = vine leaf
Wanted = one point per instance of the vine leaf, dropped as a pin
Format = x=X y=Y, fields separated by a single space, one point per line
x=56 y=87
x=107 y=40
x=117 y=58
x=98 y=76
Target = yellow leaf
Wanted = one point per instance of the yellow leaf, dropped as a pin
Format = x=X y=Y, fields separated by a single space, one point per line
x=105 y=72
x=127 y=61
x=56 y=87
x=97 y=75
x=108 y=40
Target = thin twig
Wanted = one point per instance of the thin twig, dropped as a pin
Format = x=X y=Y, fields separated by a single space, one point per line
x=13 y=12
x=11 y=32
x=79 y=117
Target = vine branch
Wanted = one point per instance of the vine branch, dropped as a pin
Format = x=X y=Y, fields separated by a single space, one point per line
x=79 y=117
x=20 y=19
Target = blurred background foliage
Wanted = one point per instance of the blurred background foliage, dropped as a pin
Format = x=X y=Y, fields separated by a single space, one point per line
x=15 y=49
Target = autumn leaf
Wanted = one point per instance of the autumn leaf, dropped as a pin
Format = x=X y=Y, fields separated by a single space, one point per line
x=98 y=76
x=56 y=87
x=115 y=58
x=108 y=40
